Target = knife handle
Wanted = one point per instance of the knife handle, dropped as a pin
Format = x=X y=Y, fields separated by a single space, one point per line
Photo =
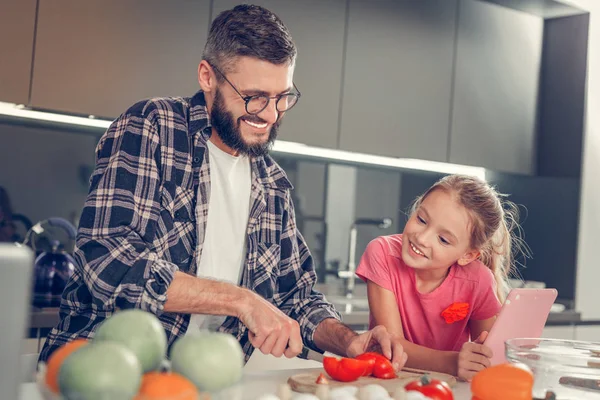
x=583 y=383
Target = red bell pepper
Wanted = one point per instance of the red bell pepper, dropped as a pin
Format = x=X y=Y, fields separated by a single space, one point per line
x=379 y=365
x=432 y=388
x=344 y=369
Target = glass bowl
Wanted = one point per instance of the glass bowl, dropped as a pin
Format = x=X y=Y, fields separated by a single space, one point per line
x=569 y=368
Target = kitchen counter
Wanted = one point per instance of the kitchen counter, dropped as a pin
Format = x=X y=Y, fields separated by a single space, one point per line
x=357 y=317
x=252 y=386
x=41 y=318
x=566 y=317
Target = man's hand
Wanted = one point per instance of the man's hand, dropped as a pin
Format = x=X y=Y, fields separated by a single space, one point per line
x=270 y=330
x=473 y=357
x=379 y=340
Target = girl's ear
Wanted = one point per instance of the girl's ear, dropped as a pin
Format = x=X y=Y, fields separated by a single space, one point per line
x=468 y=257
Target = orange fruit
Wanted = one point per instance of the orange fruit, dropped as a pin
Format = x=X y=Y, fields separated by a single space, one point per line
x=166 y=386
x=56 y=360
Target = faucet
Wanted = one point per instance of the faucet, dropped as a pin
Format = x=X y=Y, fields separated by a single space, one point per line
x=349 y=274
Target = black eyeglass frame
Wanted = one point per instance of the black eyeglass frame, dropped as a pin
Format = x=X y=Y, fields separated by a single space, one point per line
x=248 y=99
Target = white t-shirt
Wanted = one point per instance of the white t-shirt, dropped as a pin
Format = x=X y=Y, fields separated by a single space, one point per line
x=224 y=250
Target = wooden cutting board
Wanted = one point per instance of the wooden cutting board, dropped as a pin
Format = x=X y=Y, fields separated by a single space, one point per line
x=306 y=382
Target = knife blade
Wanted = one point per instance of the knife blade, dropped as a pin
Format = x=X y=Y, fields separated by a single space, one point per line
x=311 y=355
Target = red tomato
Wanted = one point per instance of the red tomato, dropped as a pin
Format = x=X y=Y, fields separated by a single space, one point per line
x=322 y=380
x=370 y=359
x=379 y=366
x=344 y=369
x=432 y=388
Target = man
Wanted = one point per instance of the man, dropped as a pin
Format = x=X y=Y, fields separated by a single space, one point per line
x=188 y=217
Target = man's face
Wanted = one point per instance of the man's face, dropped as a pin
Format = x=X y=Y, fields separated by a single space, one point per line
x=242 y=132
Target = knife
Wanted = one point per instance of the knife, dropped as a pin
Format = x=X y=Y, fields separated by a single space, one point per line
x=311 y=354
x=580 y=383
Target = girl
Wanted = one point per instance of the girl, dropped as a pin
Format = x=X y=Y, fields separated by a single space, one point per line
x=442 y=281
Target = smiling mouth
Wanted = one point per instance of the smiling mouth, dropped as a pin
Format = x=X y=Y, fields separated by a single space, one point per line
x=416 y=250
x=257 y=125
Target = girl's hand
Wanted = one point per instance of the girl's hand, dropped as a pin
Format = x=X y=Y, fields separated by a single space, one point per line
x=473 y=357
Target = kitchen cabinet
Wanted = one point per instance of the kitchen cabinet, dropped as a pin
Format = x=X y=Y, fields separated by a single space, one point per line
x=317 y=28
x=496 y=81
x=97 y=57
x=397 y=78
x=17 y=26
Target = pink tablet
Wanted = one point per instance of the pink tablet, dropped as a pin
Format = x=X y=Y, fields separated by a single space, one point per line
x=523 y=315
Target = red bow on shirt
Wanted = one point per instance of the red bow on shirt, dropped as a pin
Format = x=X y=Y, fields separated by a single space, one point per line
x=455 y=312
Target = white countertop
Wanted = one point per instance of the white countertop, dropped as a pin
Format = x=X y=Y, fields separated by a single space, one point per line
x=253 y=385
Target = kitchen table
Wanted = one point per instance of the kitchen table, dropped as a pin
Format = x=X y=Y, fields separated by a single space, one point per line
x=252 y=386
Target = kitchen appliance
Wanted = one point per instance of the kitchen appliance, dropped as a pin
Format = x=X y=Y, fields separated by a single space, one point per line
x=16 y=264
x=53 y=264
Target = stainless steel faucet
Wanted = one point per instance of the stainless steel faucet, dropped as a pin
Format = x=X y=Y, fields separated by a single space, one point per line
x=349 y=274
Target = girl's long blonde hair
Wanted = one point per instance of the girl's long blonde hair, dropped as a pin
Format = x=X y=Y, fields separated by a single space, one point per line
x=495 y=232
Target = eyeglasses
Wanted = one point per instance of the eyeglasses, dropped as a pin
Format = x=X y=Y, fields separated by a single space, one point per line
x=257 y=103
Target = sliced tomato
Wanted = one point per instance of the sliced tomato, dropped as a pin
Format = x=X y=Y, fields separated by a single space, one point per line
x=370 y=359
x=344 y=369
x=322 y=380
x=379 y=366
x=386 y=375
x=432 y=388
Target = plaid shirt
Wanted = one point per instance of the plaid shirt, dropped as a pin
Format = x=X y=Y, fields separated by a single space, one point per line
x=139 y=225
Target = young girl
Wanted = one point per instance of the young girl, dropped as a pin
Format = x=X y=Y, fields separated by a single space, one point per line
x=441 y=282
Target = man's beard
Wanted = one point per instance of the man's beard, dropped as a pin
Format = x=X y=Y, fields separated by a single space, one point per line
x=228 y=129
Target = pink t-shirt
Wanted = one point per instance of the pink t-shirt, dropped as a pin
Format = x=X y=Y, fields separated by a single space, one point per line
x=420 y=313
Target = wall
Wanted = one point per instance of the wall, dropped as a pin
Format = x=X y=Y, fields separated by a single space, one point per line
x=588 y=270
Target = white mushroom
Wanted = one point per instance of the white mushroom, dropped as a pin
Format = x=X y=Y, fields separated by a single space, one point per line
x=400 y=393
x=268 y=396
x=373 y=392
x=351 y=390
x=343 y=393
x=322 y=392
x=414 y=395
x=284 y=392
x=305 y=396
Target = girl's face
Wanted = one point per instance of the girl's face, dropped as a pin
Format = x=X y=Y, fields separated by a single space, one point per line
x=438 y=234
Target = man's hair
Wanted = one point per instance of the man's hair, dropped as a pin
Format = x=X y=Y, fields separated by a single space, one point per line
x=248 y=30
